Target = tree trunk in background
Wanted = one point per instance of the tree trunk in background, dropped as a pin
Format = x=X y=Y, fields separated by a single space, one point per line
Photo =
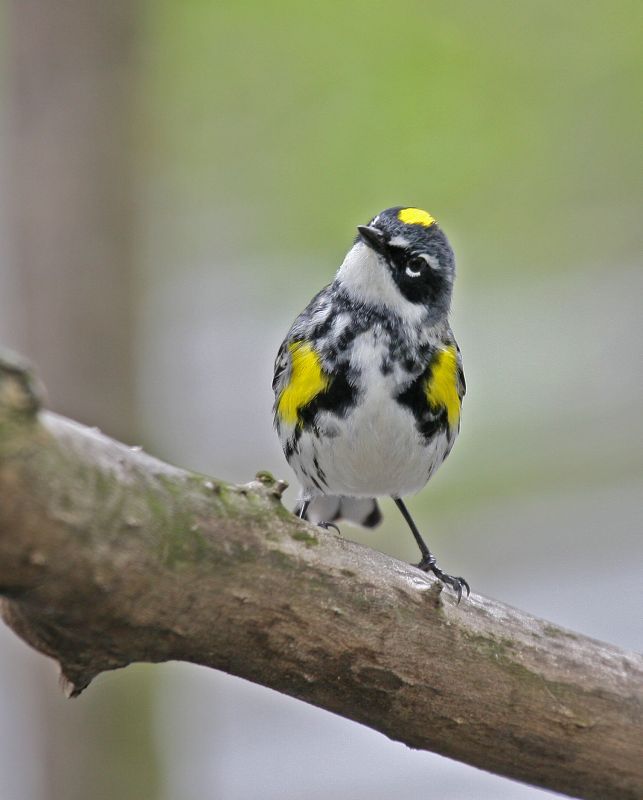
x=70 y=203
x=68 y=306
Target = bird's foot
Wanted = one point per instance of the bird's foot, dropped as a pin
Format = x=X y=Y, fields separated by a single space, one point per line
x=457 y=584
x=327 y=525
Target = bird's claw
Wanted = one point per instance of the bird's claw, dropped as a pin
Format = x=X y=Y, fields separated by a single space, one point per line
x=456 y=583
x=327 y=525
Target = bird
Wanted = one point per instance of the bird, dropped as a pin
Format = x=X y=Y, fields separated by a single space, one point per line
x=368 y=382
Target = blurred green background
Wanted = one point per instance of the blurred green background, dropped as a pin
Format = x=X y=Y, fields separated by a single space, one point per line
x=518 y=120
x=178 y=179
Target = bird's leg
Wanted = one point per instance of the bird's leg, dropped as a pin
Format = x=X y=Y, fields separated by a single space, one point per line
x=325 y=525
x=427 y=563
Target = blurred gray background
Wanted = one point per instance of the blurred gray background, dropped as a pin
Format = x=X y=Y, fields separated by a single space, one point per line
x=178 y=179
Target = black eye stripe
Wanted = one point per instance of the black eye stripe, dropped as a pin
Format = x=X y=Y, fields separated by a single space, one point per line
x=404 y=260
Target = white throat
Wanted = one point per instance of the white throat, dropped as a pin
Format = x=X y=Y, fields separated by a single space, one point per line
x=366 y=277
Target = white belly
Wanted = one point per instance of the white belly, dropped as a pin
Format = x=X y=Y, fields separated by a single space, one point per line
x=375 y=450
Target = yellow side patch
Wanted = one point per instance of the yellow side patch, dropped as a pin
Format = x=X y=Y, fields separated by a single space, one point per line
x=415 y=216
x=307 y=380
x=442 y=386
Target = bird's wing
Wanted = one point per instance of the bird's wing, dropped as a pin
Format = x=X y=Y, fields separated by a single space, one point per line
x=281 y=370
x=462 y=384
x=299 y=375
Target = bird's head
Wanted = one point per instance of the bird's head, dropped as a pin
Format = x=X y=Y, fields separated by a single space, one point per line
x=401 y=260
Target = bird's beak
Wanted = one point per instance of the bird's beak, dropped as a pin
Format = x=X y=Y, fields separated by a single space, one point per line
x=372 y=237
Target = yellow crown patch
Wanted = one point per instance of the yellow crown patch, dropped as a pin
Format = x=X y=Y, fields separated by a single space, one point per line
x=415 y=216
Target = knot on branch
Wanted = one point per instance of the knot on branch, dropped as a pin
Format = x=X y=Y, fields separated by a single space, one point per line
x=20 y=392
x=275 y=487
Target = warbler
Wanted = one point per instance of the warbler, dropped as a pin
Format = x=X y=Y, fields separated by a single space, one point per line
x=369 y=382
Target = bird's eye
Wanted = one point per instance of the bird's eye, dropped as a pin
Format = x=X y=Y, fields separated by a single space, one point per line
x=415 y=266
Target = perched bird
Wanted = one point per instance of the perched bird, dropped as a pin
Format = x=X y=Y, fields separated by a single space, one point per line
x=368 y=382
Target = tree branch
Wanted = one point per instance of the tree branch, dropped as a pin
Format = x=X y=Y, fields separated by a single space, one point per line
x=109 y=556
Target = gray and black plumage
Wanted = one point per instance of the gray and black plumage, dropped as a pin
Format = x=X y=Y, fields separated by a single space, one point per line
x=368 y=382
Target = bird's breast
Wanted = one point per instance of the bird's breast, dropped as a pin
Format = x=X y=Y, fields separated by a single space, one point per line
x=376 y=448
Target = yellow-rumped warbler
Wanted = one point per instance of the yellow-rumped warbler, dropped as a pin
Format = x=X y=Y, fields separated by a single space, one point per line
x=368 y=382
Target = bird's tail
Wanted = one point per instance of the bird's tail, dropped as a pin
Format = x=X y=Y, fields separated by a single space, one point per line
x=329 y=508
